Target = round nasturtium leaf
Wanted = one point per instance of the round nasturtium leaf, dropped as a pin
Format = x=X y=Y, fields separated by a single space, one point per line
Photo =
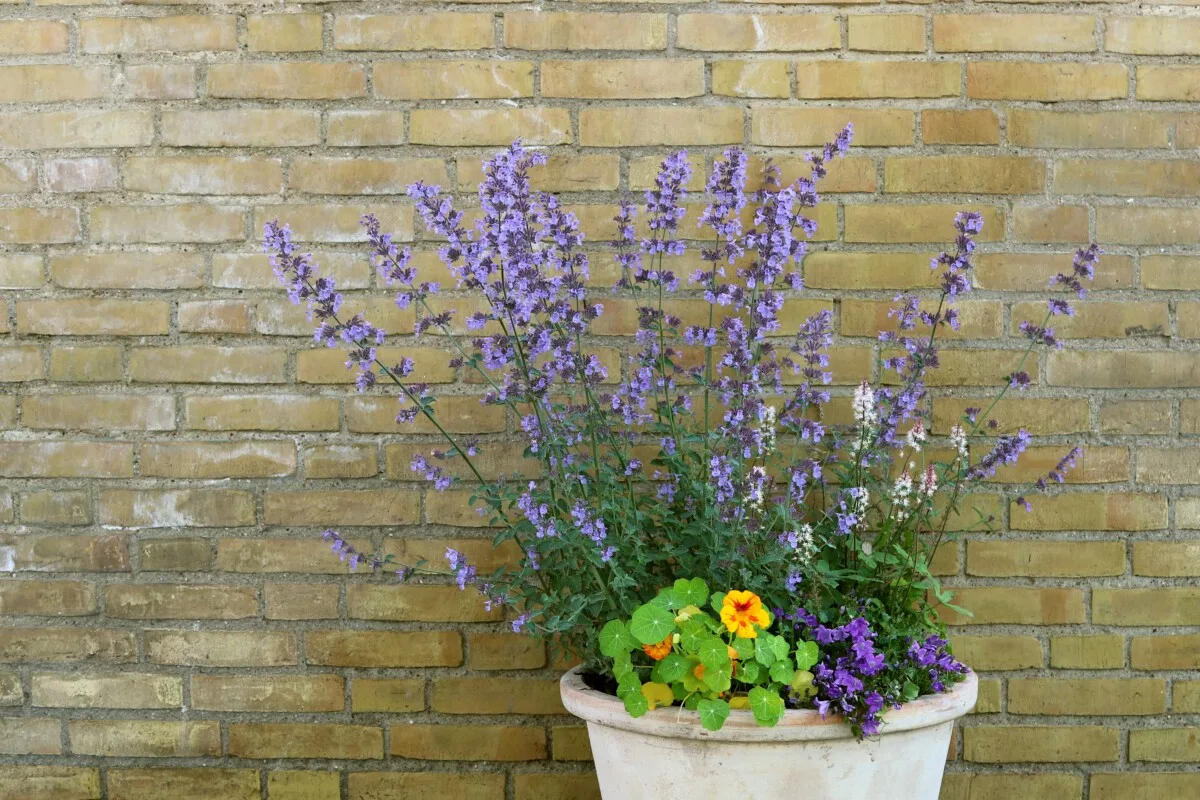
x=691 y=592
x=782 y=672
x=764 y=653
x=766 y=705
x=615 y=638
x=807 y=655
x=714 y=654
x=671 y=668
x=651 y=624
x=713 y=713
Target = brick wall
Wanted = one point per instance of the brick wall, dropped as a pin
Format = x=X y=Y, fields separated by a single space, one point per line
x=170 y=444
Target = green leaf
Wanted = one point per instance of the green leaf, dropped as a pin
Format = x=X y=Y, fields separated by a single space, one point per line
x=744 y=648
x=750 y=672
x=807 y=654
x=714 y=654
x=629 y=684
x=636 y=703
x=622 y=665
x=764 y=652
x=651 y=624
x=713 y=713
x=782 y=672
x=615 y=638
x=671 y=668
x=692 y=592
x=766 y=705
x=719 y=680
x=717 y=601
x=669 y=599
x=780 y=646
x=692 y=634
x=911 y=690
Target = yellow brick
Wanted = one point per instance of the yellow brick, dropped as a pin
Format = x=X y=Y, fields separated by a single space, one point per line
x=261 y=412
x=243 y=127
x=1143 y=785
x=1097 y=320
x=1028 y=272
x=1177 y=651
x=163 y=224
x=124 y=690
x=183 y=784
x=1035 y=786
x=1028 y=128
x=468 y=743
x=393 y=695
x=221 y=648
x=151 y=34
x=207 y=364
x=1018 y=606
x=218 y=460
x=141 y=738
x=1165 y=606
x=915 y=223
x=344 y=648
x=171 y=508
x=1101 y=651
x=416 y=604
x=571 y=173
x=571 y=743
x=30 y=737
x=736 y=78
x=94 y=645
x=1168 y=82
x=104 y=411
x=1165 y=745
x=1050 y=223
x=1052 y=744
x=1091 y=697
x=504 y=651
x=402 y=785
x=974 y=126
x=1127 y=178
x=60 y=508
x=93 y=317
x=790 y=127
x=176 y=555
x=1124 y=370
x=1014 y=33
x=160 y=81
x=758 y=33
x=532 y=786
x=1167 y=466
x=1167 y=559
x=1101 y=512
x=623 y=78
x=74 y=364
x=870 y=79
x=21 y=271
x=1186 y=697
x=214 y=316
x=59 y=458
x=204 y=175
x=972 y=174
x=1045 y=559
x=445 y=79
x=1136 y=416
x=39 y=225
x=34 y=37
x=127 y=270
x=294 y=80
x=1187 y=131
x=659 y=125
x=50 y=783
x=18 y=176
x=497 y=696
x=52 y=83
x=278 y=693
x=284 y=33
x=337 y=223
x=496 y=127
x=365 y=128
x=1049 y=83
x=1153 y=36
x=419 y=31
x=300 y=601
x=346 y=508
x=990 y=653
x=978 y=319
x=304 y=785
x=547 y=30
x=887 y=33
x=363 y=175
x=340 y=461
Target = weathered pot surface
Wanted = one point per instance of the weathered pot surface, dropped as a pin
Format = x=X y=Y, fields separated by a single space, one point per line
x=666 y=754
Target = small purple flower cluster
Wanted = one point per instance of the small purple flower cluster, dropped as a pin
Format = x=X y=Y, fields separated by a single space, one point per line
x=844 y=676
x=932 y=656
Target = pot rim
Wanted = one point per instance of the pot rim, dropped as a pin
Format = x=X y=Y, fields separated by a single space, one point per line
x=600 y=708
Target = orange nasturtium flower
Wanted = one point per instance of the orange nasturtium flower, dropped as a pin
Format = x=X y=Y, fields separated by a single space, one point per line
x=661 y=650
x=741 y=611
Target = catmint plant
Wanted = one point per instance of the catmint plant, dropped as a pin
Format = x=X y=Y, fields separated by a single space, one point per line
x=709 y=453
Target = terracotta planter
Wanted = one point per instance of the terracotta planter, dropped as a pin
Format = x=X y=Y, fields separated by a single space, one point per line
x=667 y=755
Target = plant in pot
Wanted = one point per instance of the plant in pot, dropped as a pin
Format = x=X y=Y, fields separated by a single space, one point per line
x=738 y=554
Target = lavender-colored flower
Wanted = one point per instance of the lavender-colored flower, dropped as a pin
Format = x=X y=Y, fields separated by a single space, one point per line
x=1006 y=451
x=518 y=624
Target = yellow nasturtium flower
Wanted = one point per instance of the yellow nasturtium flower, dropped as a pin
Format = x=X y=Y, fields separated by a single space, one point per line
x=741 y=611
